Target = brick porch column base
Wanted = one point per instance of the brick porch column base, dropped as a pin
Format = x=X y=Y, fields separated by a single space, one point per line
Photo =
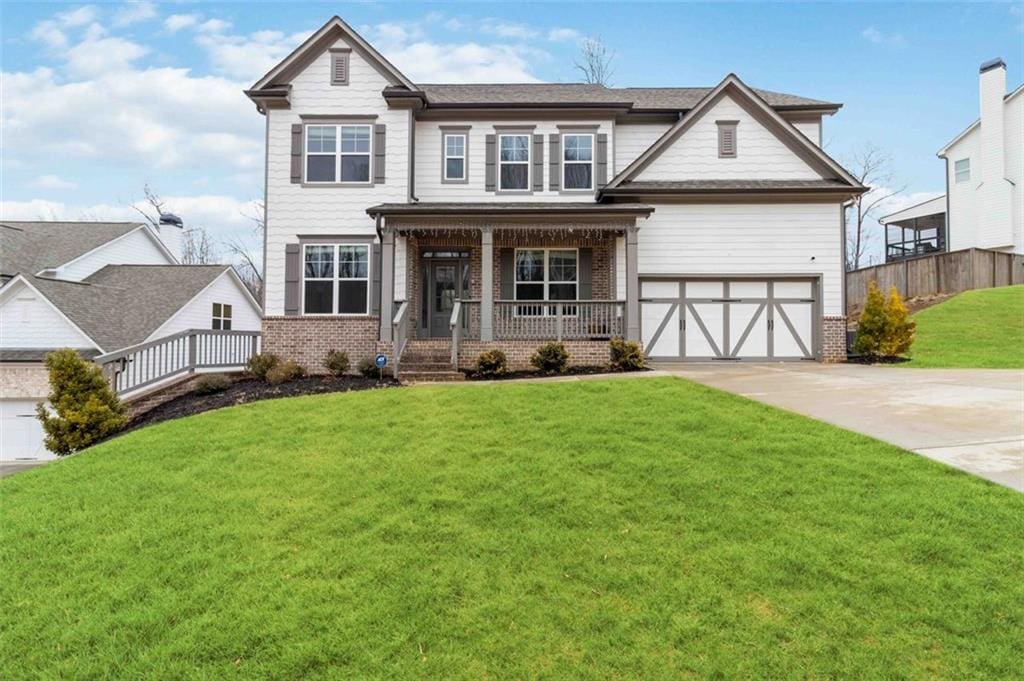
x=833 y=339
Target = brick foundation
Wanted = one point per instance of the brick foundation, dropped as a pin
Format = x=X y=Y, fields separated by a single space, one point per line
x=833 y=339
x=581 y=353
x=306 y=340
x=154 y=397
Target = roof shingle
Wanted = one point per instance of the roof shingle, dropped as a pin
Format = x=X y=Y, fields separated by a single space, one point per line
x=28 y=247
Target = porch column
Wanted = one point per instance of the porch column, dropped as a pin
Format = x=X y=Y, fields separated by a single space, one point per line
x=486 y=284
x=632 y=286
x=387 y=283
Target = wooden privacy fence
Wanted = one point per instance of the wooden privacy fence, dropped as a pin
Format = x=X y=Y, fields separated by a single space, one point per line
x=940 y=273
x=185 y=352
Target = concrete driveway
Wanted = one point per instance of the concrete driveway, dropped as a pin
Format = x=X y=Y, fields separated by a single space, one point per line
x=969 y=418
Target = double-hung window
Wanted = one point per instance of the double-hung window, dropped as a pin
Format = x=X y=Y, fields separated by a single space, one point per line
x=338 y=153
x=336 y=279
x=454 y=157
x=545 y=274
x=513 y=162
x=577 y=161
x=221 y=316
x=962 y=170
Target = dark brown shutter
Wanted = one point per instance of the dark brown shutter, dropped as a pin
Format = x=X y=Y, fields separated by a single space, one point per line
x=508 y=274
x=538 y=163
x=378 y=153
x=297 y=153
x=292 y=278
x=375 y=268
x=489 y=160
x=601 y=161
x=555 y=164
x=585 y=271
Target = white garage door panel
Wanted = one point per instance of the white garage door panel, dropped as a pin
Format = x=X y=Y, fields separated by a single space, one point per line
x=21 y=434
x=748 y=330
x=795 y=342
x=705 y=329
x=659 y=289
x=660 y=329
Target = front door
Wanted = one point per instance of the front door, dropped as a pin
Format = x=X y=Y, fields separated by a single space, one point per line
x=443 y=291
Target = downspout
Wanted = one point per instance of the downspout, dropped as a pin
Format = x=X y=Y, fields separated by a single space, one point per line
x=412 y=159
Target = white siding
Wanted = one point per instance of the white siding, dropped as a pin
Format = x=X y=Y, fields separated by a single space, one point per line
x=428 y=161
x=810 y=129
x=745 y=239
x=135 y=248
x=760 y=154
x=632 y=140
x=198 y=313
x=27 y=320
x=1013 y=121
x=962 y=195
x=293 y=209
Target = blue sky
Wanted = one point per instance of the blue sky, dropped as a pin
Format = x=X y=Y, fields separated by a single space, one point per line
x=100 y=98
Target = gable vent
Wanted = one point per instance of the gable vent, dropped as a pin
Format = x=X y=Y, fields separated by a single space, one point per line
x=339 y=67
x=727 y=139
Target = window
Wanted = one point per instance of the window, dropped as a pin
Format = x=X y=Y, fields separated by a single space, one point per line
x=336 y=279
x=513 y=162
x=221 y=316
x=578 y=161
x=962 y=170
x=727 y=139
x=545 y=274
x=455 y=156
x=327 y=160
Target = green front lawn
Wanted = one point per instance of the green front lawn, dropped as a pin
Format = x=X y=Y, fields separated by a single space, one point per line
x=981 y=329
x=647 y=528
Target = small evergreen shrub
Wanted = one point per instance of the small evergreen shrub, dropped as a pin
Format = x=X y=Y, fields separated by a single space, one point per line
x=284 y=372
x=551 y=358
x=491 y=364
x=626 y=355
x=336 y=362
x=208 y=384
x=884 y=328
x=368 y=368
x=83 y=407
x=259 y=365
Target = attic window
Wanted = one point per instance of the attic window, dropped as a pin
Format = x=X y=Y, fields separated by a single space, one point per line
x=727 y=139
x=339 y=66
x=221 y=317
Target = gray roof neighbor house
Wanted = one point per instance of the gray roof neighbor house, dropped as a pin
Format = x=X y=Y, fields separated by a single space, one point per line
x=28 y=247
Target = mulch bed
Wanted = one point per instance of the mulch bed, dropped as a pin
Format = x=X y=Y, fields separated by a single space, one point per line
x=532 y=373
x=248 y=390
x=864 y=359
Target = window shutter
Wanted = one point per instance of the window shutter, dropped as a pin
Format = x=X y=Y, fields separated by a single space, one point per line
x=378 y=153
x=585 y=272
x=489 y=159
x=375 y=268
x=339 y=69
x=726 y=139
x=555 y=164
x=292 y=278
x=297 y=153
x=508 y=274
x=538 y=163
x=601 y=161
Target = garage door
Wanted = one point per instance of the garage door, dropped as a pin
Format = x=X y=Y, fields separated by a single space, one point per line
x=729 y=319
x=21 y=434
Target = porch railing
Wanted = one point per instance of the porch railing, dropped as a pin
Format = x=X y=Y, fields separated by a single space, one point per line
x=184 y=352
x=556 y=320
x=400 y=324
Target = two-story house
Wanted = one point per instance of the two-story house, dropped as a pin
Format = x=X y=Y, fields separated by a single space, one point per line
x=409 y=218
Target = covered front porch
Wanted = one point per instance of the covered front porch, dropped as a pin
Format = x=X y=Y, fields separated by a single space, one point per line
x=465 y=278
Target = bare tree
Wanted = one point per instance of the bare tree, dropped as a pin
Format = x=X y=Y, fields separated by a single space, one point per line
x=249 y=260
x=197 y=247
x=872 y=166
x=595 y=62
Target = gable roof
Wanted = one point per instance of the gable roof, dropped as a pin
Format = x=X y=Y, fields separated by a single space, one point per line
x=313 y=46
x=28 y=247
x=744 y=95
x=121 y=305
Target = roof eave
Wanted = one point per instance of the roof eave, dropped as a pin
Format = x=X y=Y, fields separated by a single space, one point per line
x=420 y=210
x=732 y=191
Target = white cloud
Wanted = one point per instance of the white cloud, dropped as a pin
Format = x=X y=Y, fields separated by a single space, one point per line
x=454 y=24
x=507 y=29
x=134 y=12
x=80 y=16
x=93 y=57
x=50 y=34
x=176 y=22
x=563 y=35
x=873 y=35
x=53 y=182
x=214 y=26
x=248 y=57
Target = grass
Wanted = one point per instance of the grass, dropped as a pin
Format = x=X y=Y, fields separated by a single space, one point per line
x=647 y=528
x=981 y=329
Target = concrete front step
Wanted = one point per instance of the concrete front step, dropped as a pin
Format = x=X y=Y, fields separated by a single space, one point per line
x=431 y=376
x=419 y=365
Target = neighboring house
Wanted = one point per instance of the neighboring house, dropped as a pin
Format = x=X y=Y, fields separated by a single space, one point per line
x=96 y=287
x=984 y=202
x=706 y=223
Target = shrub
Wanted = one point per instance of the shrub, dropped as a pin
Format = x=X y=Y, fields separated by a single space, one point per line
x=491 y=364
x=336 y=362
x=259 y=365
x=884 y=328
x=626 y=355
x=284 y=372
x=208 y=384
x=368 y=368
x=551 y=358
x=83 y=407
